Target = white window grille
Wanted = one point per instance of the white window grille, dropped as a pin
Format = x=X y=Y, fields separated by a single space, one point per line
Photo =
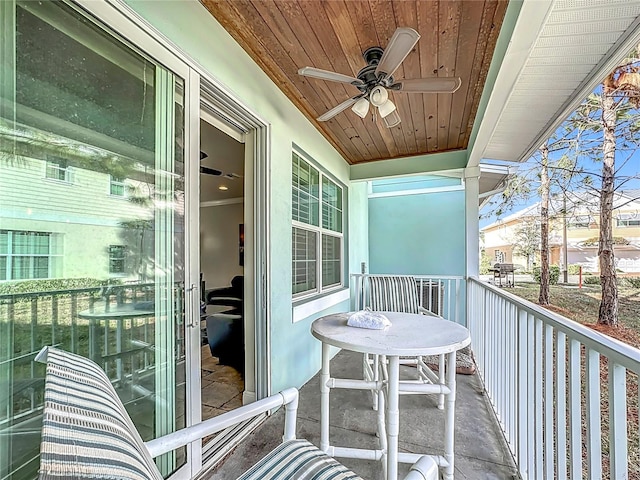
x=27 y=255
x=317 y=234
x=58 y=169
x=116 y=186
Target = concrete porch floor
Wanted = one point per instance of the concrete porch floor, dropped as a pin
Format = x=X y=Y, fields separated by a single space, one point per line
x=480 y=450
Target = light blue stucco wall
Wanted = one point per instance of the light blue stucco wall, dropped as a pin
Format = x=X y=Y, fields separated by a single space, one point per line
x=295 y=354
x=418 y=234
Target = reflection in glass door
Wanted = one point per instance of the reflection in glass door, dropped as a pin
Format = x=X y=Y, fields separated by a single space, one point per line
x=91 y=222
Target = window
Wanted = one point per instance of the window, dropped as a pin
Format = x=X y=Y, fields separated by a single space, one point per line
x=628 y=220
x=116 y=259
x=580 y=221
x=116 y=186
x=58 y=169
x=26 y=255
x=317 y=230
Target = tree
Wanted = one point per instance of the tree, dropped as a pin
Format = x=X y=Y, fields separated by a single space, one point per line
x=611 y=110
x=543 y=297
x=608 y=313
x=526 y=240
x=549 y=173
x=587 y=155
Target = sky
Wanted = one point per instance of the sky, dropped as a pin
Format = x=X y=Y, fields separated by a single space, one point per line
x=628 y=166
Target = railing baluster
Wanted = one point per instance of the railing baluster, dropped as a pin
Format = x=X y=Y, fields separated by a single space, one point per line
x=492 y=347
x=561 y=406
x=617 y=421
x=512 y=362
x=594 y=432
x=523 y=397
x=33 y=346
x=54 y=318
x=575 y=410
x=74 y=323
x=548 y=402
x=538 y=400
x=531 y=445
x=502 y=352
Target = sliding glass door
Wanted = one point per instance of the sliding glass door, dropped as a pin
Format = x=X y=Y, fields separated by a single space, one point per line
x=92 y=221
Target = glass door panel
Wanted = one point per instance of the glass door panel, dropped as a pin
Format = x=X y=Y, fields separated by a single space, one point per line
x=91 y=222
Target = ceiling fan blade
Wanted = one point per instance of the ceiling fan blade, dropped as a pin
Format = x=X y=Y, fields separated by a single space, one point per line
x=210 y=171
x=327 y=75
x=428 y=85
x=401 y=43
x=337 y=109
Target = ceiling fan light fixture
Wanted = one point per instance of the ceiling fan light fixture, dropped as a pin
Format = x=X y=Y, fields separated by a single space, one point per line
x=392 y=119
x=361 y=107
x=378 y=96
x=386 y=109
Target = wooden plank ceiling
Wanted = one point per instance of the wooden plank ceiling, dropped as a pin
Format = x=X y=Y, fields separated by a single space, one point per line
x=457 y=39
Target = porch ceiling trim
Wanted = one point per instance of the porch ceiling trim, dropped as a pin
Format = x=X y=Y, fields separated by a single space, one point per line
x=408 y=165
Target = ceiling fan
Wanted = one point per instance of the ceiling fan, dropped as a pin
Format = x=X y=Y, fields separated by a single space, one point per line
x=376 y=79
x=214 y=171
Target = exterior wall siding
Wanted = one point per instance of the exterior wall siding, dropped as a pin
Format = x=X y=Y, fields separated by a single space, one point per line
x=74 y=211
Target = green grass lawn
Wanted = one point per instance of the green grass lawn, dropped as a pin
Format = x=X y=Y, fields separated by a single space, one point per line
x=582 y=304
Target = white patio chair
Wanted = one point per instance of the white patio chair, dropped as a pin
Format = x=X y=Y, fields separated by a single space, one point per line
x=398 y=293
x=87 y=433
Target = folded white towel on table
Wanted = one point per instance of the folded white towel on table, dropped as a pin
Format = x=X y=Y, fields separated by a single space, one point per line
x=368 y=319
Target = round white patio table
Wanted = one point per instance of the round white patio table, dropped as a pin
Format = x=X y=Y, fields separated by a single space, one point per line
x=409 y=335
x=119 y=313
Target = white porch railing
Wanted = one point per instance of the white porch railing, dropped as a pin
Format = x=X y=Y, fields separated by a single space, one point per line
x=440 y=294
x=562 y=418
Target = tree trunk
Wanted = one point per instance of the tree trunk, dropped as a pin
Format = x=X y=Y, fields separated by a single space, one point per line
x=608 y=314
x=543 y=298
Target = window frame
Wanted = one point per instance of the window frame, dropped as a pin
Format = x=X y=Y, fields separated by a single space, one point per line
x=55 y=164
x=627 y=220
x=580 y=222
x=117 y=182
x=11 y=254
x=320 y=231
x=121 y=258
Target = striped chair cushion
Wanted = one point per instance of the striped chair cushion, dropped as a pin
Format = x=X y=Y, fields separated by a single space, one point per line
x=87 y=432
x=299 y=460
x=394 y=294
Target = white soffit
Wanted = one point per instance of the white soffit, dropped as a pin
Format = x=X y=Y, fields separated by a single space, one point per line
x=578 y=43
x=492 y=181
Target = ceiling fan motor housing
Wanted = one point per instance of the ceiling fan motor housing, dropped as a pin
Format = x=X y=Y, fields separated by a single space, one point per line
x=367 y=75
x=372 y=55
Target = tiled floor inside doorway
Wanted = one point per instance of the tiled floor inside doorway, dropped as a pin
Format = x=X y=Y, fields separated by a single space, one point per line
x=222 y=386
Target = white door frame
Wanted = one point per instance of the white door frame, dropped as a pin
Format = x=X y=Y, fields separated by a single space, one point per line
x=128 y=24
x=256 y=200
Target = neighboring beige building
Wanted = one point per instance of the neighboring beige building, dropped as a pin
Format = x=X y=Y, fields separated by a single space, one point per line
x=497 y=239
x=67 y=206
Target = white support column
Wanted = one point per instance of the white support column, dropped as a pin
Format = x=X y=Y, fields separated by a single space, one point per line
x=472 y=234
